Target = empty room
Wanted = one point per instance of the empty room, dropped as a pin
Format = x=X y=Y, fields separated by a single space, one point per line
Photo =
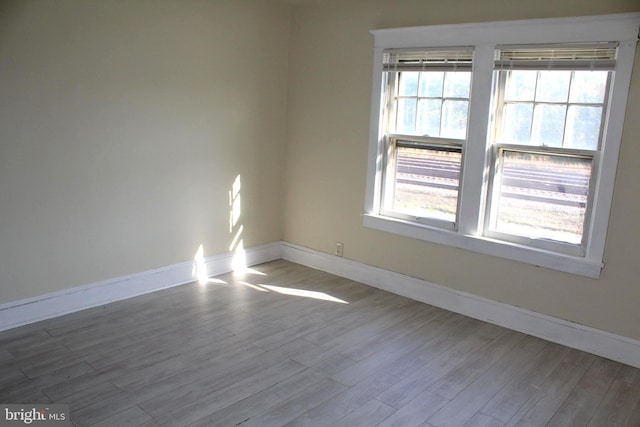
x=319 y=213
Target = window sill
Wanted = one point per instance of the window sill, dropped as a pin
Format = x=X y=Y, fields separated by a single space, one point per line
x=552 y=260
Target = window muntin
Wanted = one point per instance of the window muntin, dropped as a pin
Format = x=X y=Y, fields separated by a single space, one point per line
x=432 y=103
x=426 y=120
x=551 y=108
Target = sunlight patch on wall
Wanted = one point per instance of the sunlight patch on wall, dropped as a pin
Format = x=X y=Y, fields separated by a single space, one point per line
x=239 y=260
x=234 y=203
x=200 y=266
x=200 y=271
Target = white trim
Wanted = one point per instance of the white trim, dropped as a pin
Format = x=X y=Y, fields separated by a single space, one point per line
x=22 y=312
x=474 y=178
x=621 y=26
x=485 y=245
x=591 y=340
x=612 y=140
x=375 y=159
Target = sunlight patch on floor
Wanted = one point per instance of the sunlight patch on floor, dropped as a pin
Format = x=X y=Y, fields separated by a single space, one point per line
x=293 y=292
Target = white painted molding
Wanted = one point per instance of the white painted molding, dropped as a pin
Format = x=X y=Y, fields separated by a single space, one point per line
x=591 y=340
x=577 y=29
x=22 y=312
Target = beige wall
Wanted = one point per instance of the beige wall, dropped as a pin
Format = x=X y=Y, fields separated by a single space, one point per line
x=123 y=125
x=327 y=140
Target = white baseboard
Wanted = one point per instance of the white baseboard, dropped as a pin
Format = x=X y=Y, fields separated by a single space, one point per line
x=22 y=312
x=601 y=343
x=591 y=340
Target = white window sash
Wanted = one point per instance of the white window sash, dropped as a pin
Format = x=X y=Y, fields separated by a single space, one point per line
x=388 y=189
x=544 y=244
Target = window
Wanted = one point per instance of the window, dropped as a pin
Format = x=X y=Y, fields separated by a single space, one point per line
x=501 y=138
x=550 y=101
x=428 y=105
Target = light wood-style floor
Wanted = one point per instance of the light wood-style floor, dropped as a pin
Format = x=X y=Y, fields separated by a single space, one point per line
x=287 y=345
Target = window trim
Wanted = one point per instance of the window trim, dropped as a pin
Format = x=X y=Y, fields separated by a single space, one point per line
x=485 y=37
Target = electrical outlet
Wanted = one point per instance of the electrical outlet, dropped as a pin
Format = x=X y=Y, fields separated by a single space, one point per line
x=339 y=248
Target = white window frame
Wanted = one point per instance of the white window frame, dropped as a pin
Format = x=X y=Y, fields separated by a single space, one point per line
x=484 y=38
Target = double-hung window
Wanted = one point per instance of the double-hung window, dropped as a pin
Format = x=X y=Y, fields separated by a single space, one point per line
x=501 y=138
x=546 y=139
x=427 y=109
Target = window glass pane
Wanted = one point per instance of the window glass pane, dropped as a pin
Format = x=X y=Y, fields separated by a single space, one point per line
x=406 y=120
x=454 y=119
x=553 y=86
x=426 y=183
x=548 y=125
x=583 y=127
x=456 y=84
x=521 y=85
x=429 y=111
x=517 y=123
x=542 y=196
x=408 y=83
x=588 y=86
x=431 y=84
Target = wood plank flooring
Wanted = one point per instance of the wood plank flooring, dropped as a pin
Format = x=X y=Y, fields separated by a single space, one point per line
x=282 y=344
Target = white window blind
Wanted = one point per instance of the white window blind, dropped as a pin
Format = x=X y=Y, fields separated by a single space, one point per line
x=454 y=59
x=597 y=56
